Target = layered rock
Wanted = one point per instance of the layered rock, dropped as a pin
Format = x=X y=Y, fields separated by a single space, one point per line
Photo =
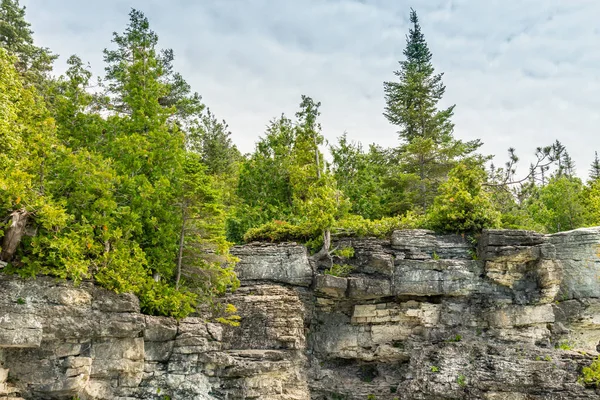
x=507 y=315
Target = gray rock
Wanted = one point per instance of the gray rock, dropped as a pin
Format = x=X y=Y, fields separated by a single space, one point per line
x=332 y=286
x=579 y=254
x=417 y=319
x=284 y=263
x=436 y=277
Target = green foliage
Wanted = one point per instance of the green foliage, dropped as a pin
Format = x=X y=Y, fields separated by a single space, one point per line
x=371 y=397
x=345 y=252
x=434 y=369
x=340 y=270
x=363 y=177
x=564 y=345
x=559 y=205
x=595 y=169
x=461 y=380
x=429 y=149
x=281 y=231
x=357 y=226
x=454 y=339
x=463 y=205
x=350 y=226
x=590 y=375
x=118 y=198
x=229 y=316
x=32 y=62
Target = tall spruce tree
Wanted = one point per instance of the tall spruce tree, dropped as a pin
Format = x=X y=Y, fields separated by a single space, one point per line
x=428 y=149
x=595 y=168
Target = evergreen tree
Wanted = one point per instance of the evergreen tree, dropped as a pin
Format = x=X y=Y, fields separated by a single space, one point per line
x=595 y=168
x=428 y=149
x=138 y=46
x=16 y=37
x=315 y=195
x=264 y=188
x=362 y=177
x=211 y=138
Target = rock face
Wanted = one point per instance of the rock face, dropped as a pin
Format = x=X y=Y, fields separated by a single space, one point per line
x=511 y=315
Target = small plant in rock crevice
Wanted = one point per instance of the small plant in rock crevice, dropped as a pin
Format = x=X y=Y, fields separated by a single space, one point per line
x=590 y=375
x=344 y=252
x=564 y=345
x=455 y=339
x=340 y=270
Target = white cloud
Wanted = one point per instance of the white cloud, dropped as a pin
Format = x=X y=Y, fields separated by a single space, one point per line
x=522 y=73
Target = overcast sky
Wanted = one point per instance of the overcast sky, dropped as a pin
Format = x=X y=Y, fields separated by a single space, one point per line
x=522 y=73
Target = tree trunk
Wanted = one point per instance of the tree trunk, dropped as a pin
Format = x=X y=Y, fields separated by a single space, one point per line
x=13 y=234
x=324 y=252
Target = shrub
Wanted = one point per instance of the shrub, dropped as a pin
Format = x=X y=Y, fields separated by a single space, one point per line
x=351 y=226
x=346 y=252
x=590 y=375
x=462 y=204
x=339 y=270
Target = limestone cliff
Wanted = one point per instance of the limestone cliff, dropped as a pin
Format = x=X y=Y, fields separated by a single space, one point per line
x=422 y=316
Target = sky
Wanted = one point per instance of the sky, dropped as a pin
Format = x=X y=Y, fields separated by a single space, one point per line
x=522 y=73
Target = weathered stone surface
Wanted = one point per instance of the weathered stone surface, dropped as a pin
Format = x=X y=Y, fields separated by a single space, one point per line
x=579 y=253
x=419 y=318
x=331 y=286
x=368 y=288
x=436 y=277
x=421 y=244
x=284 y=263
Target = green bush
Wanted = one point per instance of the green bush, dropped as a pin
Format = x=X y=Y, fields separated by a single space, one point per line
x=462 y=204
x=590 y=375
x=351 y=226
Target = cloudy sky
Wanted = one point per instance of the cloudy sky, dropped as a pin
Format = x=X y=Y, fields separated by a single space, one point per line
x=522 y=73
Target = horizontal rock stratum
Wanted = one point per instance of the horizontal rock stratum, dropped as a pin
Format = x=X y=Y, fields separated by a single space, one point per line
x=514 y=315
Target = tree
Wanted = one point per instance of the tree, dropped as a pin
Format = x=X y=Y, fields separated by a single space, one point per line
x=595 y=168
x=28 y=148
x=559 y=205
x=137 y=46
x=463 y=204
x=314 y=193
x=428 y=149
x=264 y=188
x=362 y=177
x=32 y=62
x=211 y=139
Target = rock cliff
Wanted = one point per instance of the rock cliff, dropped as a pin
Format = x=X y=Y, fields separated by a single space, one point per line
x=513 y=316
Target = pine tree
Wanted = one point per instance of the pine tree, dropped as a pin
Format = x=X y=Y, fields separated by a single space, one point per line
x=428 y=149
x=16 y=36
x=595 y=168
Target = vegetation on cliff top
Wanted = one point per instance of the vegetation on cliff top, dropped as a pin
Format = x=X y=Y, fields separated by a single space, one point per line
x=136 y=184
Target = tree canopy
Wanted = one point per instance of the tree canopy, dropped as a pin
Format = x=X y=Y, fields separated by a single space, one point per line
x=136 y=185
